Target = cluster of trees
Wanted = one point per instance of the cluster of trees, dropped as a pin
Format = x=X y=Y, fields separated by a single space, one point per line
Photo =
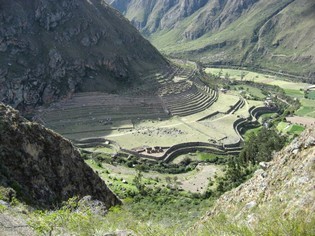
x=143 y=164
x=259 y=148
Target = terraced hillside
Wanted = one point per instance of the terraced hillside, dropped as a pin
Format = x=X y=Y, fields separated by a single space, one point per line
x=158 y=97
x=169 y=114
x=219 y=133
x=88 y=112
x=190 y=101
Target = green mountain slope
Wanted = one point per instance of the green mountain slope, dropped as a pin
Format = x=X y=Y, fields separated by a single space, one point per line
x=276 y=35
x=50 y=49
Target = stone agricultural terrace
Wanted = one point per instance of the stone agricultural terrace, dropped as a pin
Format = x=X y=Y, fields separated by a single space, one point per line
x=181 y=109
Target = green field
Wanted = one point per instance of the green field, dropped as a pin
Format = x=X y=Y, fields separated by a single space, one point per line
x=294 y=93
x=306 y=111
x=307 y=108
x=291 y=88
x=198 y=156
x=311 y=94
x=290 y=129
x=249 y=91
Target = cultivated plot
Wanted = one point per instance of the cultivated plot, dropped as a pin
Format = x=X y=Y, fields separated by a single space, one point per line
x=245 y=75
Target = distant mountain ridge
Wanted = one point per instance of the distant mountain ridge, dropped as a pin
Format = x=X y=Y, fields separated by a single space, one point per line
x=51 y=49
x=276 y=35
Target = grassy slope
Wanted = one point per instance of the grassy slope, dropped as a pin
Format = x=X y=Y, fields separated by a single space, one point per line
x=273 y=202
x=292 y=27
x=239 y=29
x=280 y=203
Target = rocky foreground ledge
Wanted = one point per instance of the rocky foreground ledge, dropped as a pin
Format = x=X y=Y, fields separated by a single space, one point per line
x=283 y=187
x=42 y=167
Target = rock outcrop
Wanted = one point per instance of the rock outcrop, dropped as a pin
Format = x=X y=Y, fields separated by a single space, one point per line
x=50 y=49
x=42 y=167
x=285 y=186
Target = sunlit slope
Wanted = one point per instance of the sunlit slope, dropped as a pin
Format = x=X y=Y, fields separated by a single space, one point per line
x=276 y=35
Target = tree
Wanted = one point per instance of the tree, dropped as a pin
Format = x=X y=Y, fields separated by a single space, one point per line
x=242 y=75
x=137 y=180
x=186 y=161
x=227 y=76
x=258 y=148
x=220 y=74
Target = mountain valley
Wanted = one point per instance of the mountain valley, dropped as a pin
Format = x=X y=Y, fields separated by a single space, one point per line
x=212 y=133
x=258 y=34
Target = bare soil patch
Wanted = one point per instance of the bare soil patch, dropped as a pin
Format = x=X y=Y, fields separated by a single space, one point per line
x=198 y=182
x=306 y=121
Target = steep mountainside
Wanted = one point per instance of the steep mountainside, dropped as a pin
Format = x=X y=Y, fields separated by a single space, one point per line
x=283 y=187
x=52 y=48
x=276 y=35
x=42 y=167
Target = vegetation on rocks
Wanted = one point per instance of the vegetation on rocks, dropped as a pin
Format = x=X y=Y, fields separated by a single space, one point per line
x=277 y=200
x=42 y=167
x=259 y=148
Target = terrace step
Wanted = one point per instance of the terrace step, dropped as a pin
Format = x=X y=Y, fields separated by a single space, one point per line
x=192 y=101
x=193 y=105
x=189 y=92
x=184 y=150
x=187 y=101
x=238 y=106
x=104 y=113
x=193 y=111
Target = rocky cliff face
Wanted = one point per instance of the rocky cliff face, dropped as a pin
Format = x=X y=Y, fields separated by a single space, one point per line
x=152 y=16
x=284 y=186
x=42 y=167
x=52 y=48
x=255 y=33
